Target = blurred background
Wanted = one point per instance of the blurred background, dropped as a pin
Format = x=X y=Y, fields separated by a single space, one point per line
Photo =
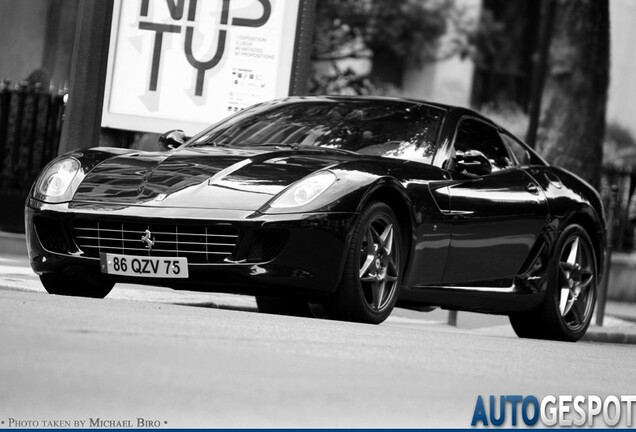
x=557 y=73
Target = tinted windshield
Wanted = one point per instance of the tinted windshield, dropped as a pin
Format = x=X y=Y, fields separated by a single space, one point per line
x=384 y=128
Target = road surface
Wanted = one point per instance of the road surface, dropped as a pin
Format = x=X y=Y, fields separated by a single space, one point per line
x=180 y=359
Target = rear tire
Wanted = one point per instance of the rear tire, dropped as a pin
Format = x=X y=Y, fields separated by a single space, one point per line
x=59 y=284
x=370 y=283
x=567 y=309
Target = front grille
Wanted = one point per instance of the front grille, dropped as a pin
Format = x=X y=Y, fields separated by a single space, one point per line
x=200 y=244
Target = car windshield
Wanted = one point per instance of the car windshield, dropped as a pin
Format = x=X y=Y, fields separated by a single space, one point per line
x=405 y=130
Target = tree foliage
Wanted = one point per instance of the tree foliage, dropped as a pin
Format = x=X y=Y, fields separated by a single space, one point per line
x=410 y=29
x=406 y=32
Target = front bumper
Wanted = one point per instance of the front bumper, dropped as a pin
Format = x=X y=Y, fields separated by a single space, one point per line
x=309 y=263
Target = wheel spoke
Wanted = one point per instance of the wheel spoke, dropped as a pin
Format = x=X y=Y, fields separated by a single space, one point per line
x=365 y=267
x=574 y=252
x=568 y=306
x=390 y=278
x=375 y=237
x=386 y=239
x=564 y=274
x=586 y=282
x=371 y=253
x=563 y=300
x=577 y=313
x=377 y=290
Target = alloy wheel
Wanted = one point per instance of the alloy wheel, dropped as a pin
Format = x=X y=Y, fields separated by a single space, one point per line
x=576 y=279
x=379 y=264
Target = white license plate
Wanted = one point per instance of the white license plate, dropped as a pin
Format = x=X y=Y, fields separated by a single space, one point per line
x=143 y=266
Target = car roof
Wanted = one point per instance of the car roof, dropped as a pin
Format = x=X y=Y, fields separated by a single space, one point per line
x=452 y=110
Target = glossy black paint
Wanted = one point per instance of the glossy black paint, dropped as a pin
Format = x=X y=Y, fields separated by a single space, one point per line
x=477 y=242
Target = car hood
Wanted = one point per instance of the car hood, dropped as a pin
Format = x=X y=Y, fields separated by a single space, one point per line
x=214 y=178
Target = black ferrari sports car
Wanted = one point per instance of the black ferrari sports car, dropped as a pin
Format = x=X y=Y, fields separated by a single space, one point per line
x=353 y=204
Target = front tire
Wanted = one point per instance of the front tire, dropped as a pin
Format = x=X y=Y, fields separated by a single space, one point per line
x=567 y=309
x=373 y=270
x=76 y=286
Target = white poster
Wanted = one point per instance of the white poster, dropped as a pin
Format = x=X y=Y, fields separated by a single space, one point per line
x=185 y=64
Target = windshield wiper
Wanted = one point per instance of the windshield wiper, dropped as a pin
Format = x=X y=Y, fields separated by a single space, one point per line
x=293 y=146
x=209 y=144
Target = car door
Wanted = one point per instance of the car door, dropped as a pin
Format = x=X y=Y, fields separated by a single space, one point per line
x=496 y=211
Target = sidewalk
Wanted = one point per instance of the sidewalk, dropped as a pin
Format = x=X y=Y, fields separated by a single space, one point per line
x=14 y=244
x=619 y=325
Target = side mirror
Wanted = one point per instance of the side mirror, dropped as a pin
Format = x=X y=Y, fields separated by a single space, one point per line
x=472 y=162
x=172 y=139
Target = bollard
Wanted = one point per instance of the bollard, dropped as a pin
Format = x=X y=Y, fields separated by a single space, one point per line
x=602 y=294
x=452 y=318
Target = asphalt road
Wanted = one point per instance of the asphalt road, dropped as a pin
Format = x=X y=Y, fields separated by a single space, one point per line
x=180 y=360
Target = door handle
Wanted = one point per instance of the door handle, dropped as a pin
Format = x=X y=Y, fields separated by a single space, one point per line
x=533 y=188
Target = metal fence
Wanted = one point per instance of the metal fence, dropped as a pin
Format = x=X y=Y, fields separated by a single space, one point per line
x=30 y=129
x=617 y=191
x=30 y=126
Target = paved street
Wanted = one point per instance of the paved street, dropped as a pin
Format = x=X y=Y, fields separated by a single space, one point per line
x=206 y=360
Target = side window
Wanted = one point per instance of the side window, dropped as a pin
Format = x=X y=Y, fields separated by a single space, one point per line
x=477 y=135
x=518 y=150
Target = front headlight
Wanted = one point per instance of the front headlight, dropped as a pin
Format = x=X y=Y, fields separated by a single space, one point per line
x=58 y=181
x=304 y=191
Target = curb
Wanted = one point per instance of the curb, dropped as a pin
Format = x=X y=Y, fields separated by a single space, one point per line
x=611 y=337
